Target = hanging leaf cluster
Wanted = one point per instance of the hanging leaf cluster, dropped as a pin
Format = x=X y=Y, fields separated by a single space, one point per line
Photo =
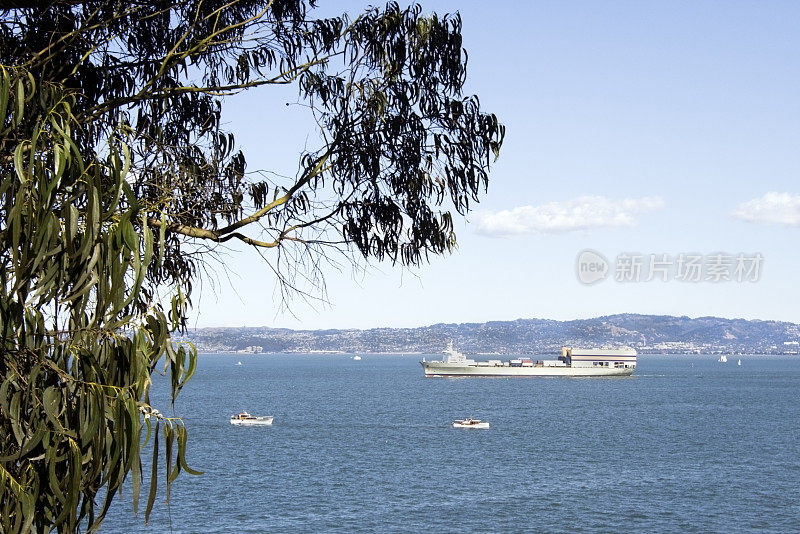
x=400 y=148
x=79 y=339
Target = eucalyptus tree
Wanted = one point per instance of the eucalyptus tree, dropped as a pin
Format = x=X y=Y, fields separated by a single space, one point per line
x=118 y=180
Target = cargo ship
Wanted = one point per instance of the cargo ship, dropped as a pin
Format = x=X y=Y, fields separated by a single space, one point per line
x=572 y=362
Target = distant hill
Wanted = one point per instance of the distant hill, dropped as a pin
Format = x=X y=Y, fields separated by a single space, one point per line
x=646 y=333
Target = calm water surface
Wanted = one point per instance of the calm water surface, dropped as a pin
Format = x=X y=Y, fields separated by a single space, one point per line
x=686 y=444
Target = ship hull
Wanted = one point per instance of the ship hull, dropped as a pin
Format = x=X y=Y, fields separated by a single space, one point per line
x=445 y=370
x=267 y=421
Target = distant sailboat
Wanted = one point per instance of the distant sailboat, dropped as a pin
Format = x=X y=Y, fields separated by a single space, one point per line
x=739 y=362
x=723 y=359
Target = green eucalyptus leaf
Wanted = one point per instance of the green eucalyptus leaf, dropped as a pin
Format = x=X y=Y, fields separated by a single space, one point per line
x=5 y=87
x=151 y=497
x=169 y=440
x=136 y=481
x=16 y=416
x=129 y=234
x=20 y=101
x=51 y=400
x=19 y=153
x=182 y=438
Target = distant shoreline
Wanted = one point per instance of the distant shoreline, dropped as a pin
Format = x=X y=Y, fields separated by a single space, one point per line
x=648 y=334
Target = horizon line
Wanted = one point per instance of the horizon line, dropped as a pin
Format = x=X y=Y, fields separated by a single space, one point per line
x=500 y=321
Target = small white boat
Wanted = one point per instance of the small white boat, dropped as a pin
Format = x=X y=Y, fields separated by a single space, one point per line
x=470 y=423
x=238 y=363
x=723 y=359
x=357 y=358
x=739 y=362
x=245 y=419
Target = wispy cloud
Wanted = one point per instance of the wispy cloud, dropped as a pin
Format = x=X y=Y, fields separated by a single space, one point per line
x=582 y=213
x=773 y=208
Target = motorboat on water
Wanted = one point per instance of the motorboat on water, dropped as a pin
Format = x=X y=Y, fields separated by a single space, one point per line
x=469 y=422
x=245 y=419
x=357 y=358
x=723 y=359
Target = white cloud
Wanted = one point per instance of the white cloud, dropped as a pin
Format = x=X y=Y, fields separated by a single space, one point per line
x=582 y=213
x=772 y=208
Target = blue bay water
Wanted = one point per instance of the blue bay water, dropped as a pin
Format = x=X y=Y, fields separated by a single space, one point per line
x=685 y=444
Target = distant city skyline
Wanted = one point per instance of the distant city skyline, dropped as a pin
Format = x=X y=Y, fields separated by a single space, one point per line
x=632 y=129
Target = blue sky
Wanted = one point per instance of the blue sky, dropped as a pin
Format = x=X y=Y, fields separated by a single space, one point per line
x=632 y=127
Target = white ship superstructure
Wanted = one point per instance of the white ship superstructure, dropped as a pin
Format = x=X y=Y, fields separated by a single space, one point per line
x=572 y=362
